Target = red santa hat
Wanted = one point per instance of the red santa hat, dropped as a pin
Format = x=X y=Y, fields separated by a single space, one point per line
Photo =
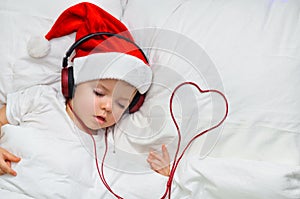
x=101 y=57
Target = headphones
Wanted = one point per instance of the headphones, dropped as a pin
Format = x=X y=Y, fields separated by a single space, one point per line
x=67 y=74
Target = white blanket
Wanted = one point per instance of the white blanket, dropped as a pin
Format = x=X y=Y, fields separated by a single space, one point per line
x=54 y=166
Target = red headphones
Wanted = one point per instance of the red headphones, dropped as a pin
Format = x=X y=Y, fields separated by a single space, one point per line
x=67 y=74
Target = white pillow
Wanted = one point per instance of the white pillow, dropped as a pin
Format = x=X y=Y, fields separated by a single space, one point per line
x=253 y=48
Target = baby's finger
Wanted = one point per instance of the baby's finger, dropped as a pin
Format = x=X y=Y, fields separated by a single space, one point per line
x=5 y=167
x=160 y=169
x=165 y=153
x=155 y=166
x=154 y=155
x=1 y=171
x=11 y=157
x=153 y=160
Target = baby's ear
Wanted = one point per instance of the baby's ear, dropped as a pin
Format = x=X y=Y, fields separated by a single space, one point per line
x=136 y=102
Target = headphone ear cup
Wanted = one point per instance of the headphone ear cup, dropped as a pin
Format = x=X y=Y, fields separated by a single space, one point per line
x=67 y=82
x=137 y=102
x=64 y=82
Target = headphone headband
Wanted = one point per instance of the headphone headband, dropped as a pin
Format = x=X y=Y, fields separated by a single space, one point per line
x=89 y=36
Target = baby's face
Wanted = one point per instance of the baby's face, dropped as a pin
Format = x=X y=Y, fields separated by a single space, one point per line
x=101 y=103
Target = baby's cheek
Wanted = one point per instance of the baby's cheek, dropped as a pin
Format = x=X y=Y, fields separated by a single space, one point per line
x=95 y=103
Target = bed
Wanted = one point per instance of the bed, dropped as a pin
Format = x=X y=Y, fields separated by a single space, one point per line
x=249 y=50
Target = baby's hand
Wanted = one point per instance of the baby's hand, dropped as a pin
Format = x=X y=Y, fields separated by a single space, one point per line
x=160 y=162
x=5 y=162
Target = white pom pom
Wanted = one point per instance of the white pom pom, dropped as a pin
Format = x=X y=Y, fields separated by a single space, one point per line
x=38 y=47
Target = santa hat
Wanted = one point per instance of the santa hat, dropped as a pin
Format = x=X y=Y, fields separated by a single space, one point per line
x=101 y=57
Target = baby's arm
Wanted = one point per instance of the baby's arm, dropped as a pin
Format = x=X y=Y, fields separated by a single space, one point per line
x=160 y=162
x=6 y=157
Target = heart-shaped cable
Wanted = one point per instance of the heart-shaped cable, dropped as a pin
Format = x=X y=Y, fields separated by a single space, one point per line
x=176 y=161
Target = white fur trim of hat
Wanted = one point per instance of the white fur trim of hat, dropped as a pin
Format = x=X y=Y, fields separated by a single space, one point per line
x=113 y=65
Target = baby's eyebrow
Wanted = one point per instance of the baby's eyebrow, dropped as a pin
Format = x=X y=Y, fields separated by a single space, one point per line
x=124 y=98
x=102 y=86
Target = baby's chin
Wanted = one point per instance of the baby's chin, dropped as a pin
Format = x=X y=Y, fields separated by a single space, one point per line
x=98 y=127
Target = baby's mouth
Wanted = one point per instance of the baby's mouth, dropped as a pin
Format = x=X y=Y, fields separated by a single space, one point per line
x=100 y=119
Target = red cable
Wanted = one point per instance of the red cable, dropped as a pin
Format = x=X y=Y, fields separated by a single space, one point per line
x=176 y=161
x=101 y=174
